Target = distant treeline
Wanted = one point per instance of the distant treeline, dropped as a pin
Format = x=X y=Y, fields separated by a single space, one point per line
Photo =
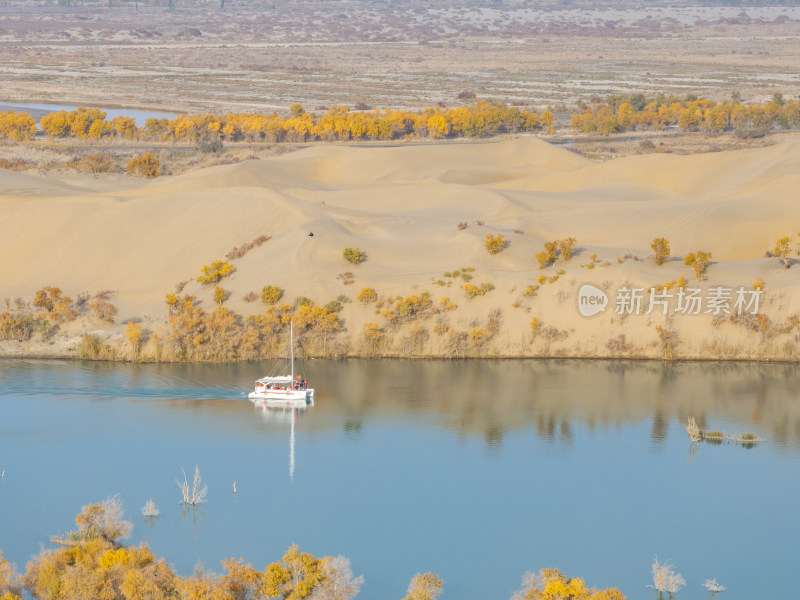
x=637 y=112
x=480 y=119
x=338 y=123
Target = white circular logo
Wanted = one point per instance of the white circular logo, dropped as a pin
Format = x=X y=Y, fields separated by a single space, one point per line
x=591 y=300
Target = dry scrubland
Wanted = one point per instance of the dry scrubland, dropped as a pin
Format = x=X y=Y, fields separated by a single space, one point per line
x=420 y=215
x=264 y=56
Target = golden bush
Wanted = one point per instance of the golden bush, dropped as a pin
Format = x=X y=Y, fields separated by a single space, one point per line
x=215 y=272
x=494 y=243
x=660 y=247
x=367 y=295
x=144 y=165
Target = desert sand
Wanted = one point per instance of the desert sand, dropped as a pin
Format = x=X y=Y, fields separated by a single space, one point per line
x=402 y=206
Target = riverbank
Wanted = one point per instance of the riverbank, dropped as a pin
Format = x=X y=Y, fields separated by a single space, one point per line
x=464 y=250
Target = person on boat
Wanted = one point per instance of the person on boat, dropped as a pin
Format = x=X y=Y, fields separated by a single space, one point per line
x=305 y=383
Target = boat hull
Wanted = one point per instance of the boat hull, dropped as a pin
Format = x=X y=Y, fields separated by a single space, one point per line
x=296 y=398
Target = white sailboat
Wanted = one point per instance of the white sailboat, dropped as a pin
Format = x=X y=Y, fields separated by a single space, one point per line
x=284 y=390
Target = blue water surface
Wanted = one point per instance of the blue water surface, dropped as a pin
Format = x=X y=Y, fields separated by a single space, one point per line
x=476 y=470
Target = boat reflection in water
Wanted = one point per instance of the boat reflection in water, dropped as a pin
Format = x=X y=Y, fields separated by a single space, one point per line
x=282 y=416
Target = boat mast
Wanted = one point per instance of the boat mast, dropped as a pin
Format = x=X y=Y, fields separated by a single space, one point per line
x=291 y=347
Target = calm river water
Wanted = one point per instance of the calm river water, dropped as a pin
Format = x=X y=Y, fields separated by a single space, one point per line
x=476 y=470
x=38 y=110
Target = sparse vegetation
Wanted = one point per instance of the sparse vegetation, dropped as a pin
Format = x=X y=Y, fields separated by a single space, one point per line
x=240 y=251
x=551 y=584
x=367 y=295
x=446 y=304
x=93 y=562
x=149 y=510
x=665 y=579
x=347 y=278
x=661 y=250
x=373 y=337
x=713 y=586
x=103 y=309
x=424 y=586
x=133 y=333
x=215 y=272
x=535 y=325
x=473 y=290
x=145 y=165
x=220 y=296
x=667 y=339
x=551 y=249
x=783 y=246
x=56 y=307
x=270 y=294
x=96 y=162
x=494 y=243
x=746 y=440
x=543 y=259
x=699 y=261
x=194 y=494
x=567 y=246
x=91 y=347
x=354 y=255
x=18 y=327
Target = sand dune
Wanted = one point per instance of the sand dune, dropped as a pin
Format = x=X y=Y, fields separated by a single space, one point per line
x=402 y=205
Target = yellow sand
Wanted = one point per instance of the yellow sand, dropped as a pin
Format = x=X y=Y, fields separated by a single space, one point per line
x=402 y=206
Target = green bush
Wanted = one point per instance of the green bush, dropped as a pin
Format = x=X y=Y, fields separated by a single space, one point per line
x=354 y=255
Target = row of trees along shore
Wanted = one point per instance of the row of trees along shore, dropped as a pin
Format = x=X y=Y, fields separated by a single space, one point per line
x=616 y=114
x=92 y=562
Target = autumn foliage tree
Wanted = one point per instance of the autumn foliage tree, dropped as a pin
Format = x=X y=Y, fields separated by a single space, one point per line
x=424 y=586
x=10 y=588
x=17 y=126
x=367 y=295
x=83 y=123
x=699 y=261
x=551 y=584
x=660 y=247
x=220 y=296
x=215 y=272
x=783 y=246
x=354 y=255
x=567 y=247
x=144 y=165
x=92 y=563
x=294 y=578
x=270 y=294
x=133 y=333
x=103 y=309
x=543 y=259
x=494 y=243
x=636 y=112
x=56 y=306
